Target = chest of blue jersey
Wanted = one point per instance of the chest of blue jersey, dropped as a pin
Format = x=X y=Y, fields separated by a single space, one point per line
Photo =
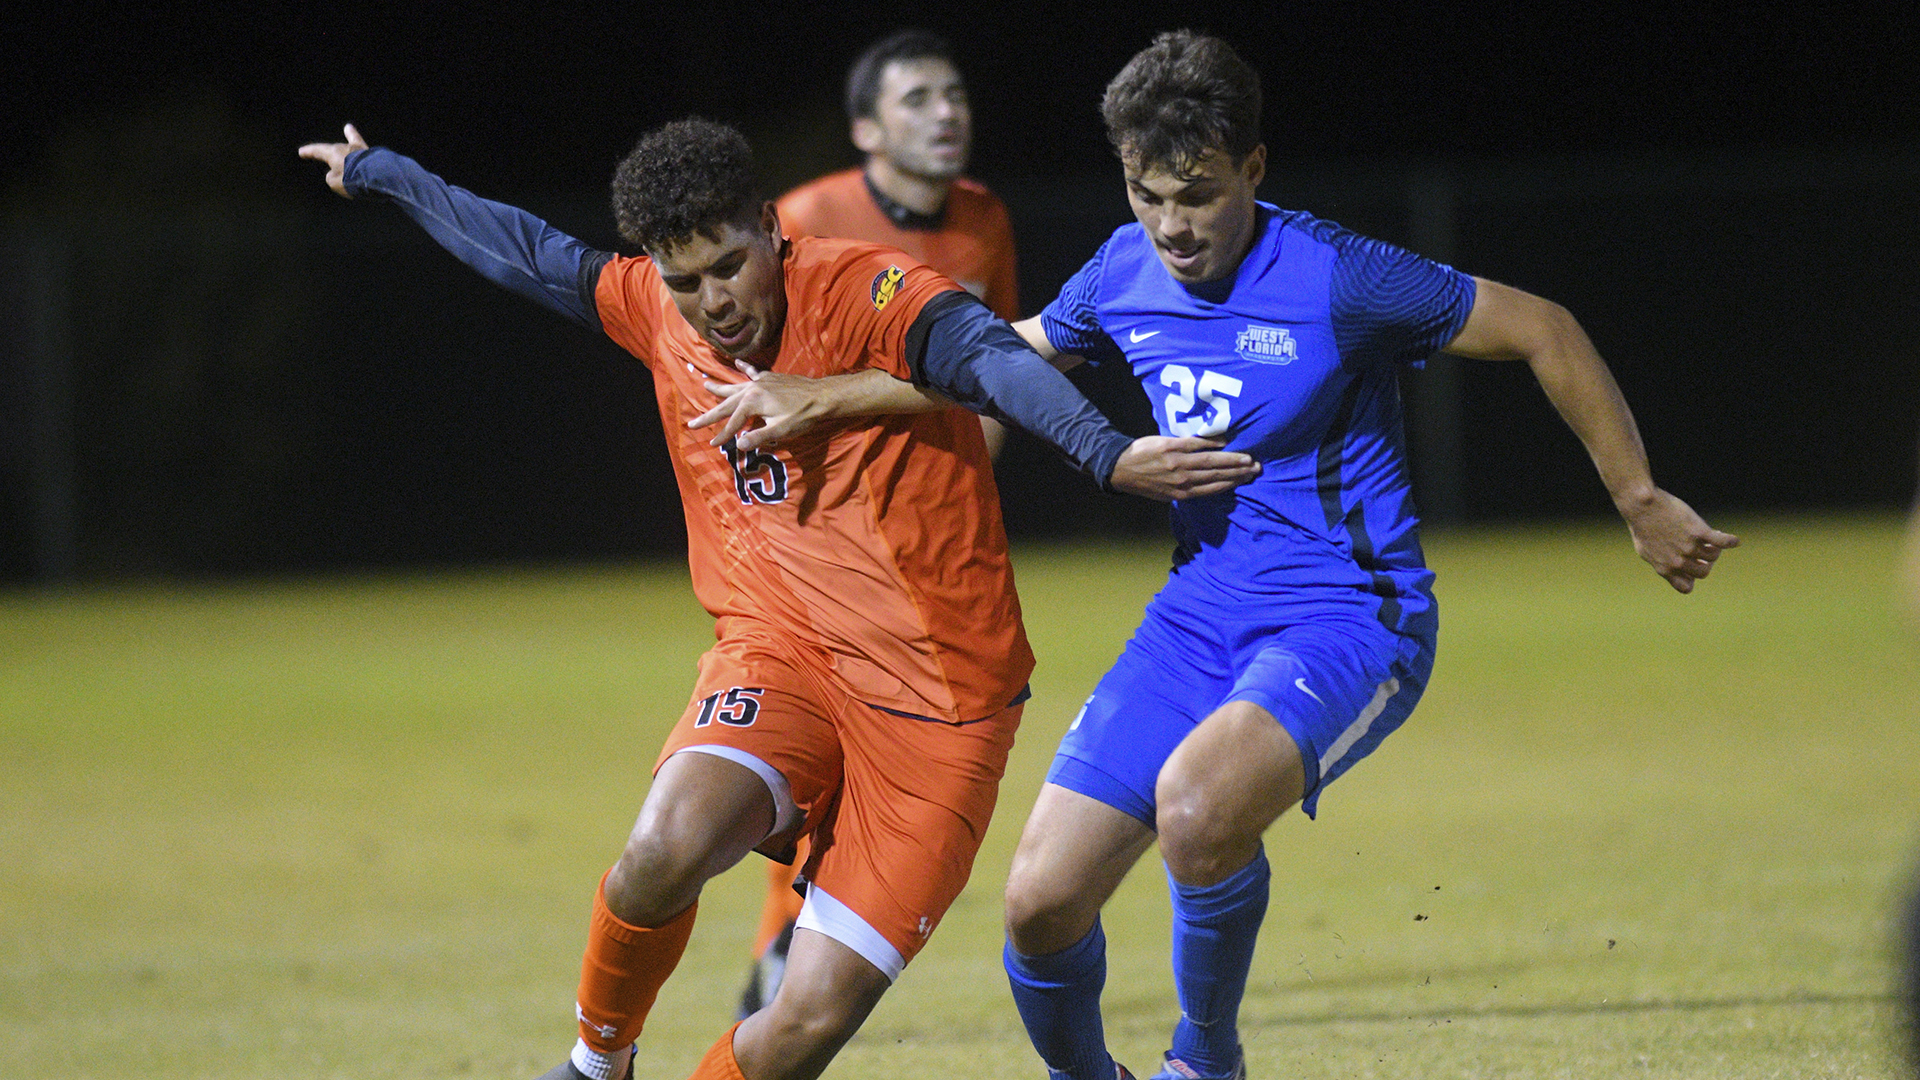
x=1251 y=360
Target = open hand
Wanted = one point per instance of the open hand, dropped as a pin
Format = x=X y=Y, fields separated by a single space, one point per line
x=1165 y=468
x=334 y=155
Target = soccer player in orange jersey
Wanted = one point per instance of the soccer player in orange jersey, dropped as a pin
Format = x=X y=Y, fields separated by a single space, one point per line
x=908 y=112
x=870 y=663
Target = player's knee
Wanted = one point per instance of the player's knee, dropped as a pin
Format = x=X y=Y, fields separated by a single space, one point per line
x=1202 y=841
x=1041 y=919
x=655 y=879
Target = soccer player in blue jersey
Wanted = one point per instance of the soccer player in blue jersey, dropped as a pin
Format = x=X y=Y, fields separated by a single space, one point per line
x=1297 y=628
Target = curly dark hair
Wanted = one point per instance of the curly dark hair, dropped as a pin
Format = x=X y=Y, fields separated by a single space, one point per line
x=688 y=176
x=1180 y=98
x=863 y=78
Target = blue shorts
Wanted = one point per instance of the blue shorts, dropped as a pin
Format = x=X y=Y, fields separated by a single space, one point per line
x=1337 y=681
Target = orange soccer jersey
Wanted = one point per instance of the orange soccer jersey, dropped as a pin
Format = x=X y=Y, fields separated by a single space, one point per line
x=973 y=245
x=873 y=545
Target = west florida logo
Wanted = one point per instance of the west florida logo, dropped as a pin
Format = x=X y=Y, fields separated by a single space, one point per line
x=885 y=284
x=1266 y=345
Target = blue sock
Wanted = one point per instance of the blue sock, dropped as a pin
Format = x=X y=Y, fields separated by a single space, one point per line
x=1214 y=928
x=1058 y=996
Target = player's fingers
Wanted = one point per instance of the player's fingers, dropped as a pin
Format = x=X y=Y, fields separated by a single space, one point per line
x=1187 y=444
x=1210 y=487
x=1191 y=461
x=713 y=415
x=769 y=433
x=731 y=393
x=1198 y=473
x=1245 y=470
x=1216 y=459
x=729 y=432
x=353 y=137
x=736 y=423
x=1722 y=539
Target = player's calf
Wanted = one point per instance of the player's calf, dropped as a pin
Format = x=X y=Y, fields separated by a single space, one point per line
x=828 y=992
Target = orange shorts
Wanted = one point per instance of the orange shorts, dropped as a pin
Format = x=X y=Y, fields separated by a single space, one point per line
x=896 y=806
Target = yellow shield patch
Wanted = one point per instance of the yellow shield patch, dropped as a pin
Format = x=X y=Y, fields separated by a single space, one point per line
x=885 y=284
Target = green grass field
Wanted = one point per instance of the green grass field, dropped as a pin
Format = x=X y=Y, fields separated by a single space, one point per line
x=350 y=828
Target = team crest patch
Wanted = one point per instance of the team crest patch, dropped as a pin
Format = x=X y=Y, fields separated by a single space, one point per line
x=1265 y=345
x=885 y=284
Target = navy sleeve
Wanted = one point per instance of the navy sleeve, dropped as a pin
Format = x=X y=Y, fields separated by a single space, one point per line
x=1391 y=306
x=960 y=348
x=1072 y=322
x=506 y=245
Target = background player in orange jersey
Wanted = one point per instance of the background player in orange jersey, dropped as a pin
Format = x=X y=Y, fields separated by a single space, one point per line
x=907 y=107
x=908 y=111
x=870 y=663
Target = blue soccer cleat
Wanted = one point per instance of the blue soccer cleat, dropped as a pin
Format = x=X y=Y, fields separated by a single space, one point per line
x=1172 y=1068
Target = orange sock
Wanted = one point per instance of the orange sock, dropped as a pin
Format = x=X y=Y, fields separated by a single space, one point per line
x=623 y=971
x=719 y=1064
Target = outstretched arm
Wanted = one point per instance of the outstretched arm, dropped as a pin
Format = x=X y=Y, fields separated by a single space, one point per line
x=973 y=359
x=506 y=245
x=1508 y=324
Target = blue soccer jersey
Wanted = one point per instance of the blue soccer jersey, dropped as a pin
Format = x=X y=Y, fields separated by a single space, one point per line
x=1303 y=592
x=1291 y=360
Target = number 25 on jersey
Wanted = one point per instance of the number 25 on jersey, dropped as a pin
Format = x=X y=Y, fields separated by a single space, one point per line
x=1199 y=404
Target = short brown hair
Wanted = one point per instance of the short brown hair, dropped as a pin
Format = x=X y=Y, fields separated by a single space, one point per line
x=863 y=78
x=688 y=176
x=1180 y=98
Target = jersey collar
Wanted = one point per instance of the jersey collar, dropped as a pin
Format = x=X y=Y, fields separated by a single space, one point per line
x=905 y=217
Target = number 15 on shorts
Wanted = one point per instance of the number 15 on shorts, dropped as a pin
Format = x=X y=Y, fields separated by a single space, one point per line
x=735 y=707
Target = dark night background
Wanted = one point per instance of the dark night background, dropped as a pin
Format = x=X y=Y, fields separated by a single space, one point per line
x=212 y=365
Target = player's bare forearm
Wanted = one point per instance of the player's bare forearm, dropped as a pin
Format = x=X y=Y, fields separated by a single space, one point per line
x=788 y=405
x=1035 y=335
x=1583 y=391
x=1507 y=324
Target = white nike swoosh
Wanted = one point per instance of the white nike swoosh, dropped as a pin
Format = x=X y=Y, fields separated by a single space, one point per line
x=1137 y=337
x=1302 y=684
